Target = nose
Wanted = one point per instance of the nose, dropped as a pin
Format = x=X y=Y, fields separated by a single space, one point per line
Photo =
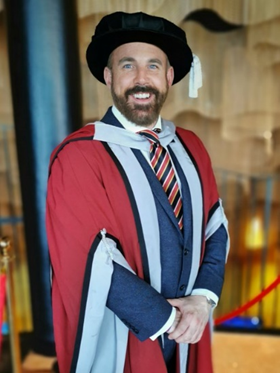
x=141 y=76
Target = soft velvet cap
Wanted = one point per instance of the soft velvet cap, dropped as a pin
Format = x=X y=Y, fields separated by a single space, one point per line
x=120 y=28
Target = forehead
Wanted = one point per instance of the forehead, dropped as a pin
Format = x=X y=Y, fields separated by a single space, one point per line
x=138 y=51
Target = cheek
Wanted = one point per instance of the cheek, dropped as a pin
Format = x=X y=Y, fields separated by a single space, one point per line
x=122 y=83
x=160 y=82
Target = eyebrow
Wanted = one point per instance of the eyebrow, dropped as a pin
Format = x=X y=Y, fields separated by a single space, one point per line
x=155 y=60
x=126 y=59
x=131 y=59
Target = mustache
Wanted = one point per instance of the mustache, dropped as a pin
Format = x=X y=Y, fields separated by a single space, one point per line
x=141 y=89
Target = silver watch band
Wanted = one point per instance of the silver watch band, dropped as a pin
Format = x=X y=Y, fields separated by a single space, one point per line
x=211 y=302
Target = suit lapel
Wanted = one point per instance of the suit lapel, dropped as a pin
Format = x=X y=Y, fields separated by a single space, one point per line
x=109 y=118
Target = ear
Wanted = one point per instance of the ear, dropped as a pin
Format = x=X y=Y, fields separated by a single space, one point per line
x=170 y=75
x=108 y=76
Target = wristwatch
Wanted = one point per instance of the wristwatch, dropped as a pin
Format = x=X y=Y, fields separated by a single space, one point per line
x=211 y=302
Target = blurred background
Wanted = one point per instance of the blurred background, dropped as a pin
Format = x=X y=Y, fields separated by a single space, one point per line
x=47 y=91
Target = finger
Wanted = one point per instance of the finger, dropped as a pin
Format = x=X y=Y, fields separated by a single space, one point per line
x=176 y=334
x=193 y=333
x=189 y=337
x=181 y=328
x=176 y=321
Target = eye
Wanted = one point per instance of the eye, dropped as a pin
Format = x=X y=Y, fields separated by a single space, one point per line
x=127 y=66
x=153 y=66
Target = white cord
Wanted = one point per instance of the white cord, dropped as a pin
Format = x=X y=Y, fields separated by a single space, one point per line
x=104 y=240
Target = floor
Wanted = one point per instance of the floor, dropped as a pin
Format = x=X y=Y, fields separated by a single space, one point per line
x=246 y=353
x=232 y=353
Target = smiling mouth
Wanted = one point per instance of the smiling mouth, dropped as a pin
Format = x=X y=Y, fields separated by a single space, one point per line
x=141 y=93
x=142 y=96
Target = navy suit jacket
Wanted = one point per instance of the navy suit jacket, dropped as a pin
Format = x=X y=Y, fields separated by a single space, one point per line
x=132 y=299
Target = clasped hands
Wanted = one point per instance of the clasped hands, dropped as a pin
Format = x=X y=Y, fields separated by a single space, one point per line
x=192 y=315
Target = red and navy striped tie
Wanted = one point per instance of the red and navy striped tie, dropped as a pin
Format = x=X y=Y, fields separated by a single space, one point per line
x=162 y=165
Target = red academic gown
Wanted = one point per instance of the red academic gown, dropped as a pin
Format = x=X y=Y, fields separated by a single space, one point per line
x=86 y=192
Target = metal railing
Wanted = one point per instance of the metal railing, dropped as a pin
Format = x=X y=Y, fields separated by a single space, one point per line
x=252 y=205
x=12 y=224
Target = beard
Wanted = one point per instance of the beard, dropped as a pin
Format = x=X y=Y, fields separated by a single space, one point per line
x=140 y=114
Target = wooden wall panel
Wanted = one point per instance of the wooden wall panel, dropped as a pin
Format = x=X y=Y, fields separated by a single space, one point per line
x=237 y=11
x=89 y=7
x=250 y=96
x=245 y=156
x=211 y=49
x=6 y=115
x=264 y=33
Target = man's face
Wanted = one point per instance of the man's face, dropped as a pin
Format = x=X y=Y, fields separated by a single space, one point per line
x=139 y=77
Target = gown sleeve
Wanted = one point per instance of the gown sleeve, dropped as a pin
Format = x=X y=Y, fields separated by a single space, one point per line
x=78 y=208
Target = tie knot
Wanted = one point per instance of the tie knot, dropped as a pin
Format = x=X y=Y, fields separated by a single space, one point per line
x=150 y=135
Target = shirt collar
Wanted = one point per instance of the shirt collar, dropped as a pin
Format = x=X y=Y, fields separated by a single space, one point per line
x=132 y=126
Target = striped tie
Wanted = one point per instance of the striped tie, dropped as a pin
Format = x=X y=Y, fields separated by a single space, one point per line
x=162 y=165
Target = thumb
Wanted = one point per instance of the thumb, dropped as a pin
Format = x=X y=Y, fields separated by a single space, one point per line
x=174 y=302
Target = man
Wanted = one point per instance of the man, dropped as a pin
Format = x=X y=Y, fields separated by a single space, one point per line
x=136 y=230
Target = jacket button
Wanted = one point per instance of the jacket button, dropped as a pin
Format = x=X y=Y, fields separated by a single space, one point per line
x=186 y=251
x=182 y=287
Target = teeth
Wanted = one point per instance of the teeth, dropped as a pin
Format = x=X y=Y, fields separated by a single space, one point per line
x=142 y=95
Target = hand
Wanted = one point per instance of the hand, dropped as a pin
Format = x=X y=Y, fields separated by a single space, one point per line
x=175 y=322
x=195 y=313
